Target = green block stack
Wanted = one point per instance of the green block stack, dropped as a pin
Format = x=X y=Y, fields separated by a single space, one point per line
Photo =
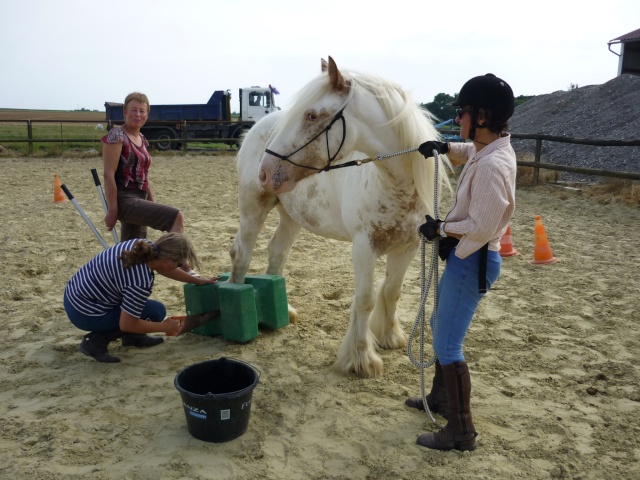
x=262 y=300
x=203 y=299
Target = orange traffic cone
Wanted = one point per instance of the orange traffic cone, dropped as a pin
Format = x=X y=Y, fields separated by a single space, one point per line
x=58 y=194
x=506 y=246
x=542 y=251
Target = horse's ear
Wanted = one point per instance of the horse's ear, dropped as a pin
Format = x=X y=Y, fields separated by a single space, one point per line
x=323 y=65
x=338 y=83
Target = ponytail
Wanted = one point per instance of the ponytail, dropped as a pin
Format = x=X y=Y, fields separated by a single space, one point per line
x=172 y=245
x=143 y=251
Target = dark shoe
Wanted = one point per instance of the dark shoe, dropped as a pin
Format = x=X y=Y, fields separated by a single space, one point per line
x=437 y=398
x=95 y=344
x=459 y=433
x=140 y=340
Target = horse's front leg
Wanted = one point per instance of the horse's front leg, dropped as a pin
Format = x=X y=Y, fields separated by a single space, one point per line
x=279 y=248
x=254 y=206
x=384 y=322
x=358 y=350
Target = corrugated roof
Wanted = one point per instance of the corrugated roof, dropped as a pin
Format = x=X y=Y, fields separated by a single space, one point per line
x=635 y=35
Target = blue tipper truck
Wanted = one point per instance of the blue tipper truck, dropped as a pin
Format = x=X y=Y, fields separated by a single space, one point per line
x=211 y=121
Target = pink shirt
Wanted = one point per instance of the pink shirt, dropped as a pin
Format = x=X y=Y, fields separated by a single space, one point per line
x=133 y=167
x=486 y=194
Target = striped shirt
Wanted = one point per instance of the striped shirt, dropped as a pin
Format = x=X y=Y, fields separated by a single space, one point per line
x=103 y=283
x=485 y=198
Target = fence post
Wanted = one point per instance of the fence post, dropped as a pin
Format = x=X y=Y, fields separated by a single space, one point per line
x=184 y=136
x=536 y=170
x=30 y=136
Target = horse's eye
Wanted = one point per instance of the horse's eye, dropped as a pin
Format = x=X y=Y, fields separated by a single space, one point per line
x=312 y=117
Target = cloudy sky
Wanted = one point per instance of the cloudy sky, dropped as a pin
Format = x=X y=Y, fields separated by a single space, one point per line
x=70 y=54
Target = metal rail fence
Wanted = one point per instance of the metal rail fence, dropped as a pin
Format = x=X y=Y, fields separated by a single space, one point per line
x=537 y=165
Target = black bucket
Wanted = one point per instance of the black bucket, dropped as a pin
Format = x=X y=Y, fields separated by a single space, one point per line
x=216 y=396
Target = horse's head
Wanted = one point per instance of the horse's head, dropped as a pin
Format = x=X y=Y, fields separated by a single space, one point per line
x=312 y=136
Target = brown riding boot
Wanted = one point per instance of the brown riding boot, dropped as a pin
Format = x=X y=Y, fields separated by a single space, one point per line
x=459 y=433
x=437 y=398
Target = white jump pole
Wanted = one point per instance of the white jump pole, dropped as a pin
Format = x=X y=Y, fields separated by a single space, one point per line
x=86 y=219
x=96 y=179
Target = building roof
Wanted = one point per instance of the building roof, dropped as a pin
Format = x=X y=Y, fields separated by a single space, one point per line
x=631 y=36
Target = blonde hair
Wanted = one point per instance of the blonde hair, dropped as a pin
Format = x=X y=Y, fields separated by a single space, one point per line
x=172 y=245
x=138 y=97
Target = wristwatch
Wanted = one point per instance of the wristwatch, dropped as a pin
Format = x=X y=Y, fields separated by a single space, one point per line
x=443 y=234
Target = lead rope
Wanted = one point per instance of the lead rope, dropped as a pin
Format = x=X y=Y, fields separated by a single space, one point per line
x=426 y=281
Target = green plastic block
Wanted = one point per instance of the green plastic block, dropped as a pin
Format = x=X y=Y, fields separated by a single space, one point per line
x=238 y=311
x=203 y=299
x=271 y=300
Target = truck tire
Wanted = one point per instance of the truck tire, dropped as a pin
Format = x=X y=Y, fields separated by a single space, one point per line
x=238 y=135
x=164 y=136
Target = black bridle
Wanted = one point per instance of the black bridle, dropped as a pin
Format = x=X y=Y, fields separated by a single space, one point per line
x=325 y=130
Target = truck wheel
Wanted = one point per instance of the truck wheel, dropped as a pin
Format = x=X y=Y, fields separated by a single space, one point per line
x=238 y=135
x=164 y=138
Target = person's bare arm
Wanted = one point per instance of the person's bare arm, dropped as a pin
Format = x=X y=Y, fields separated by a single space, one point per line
x=131 y=324
x=110 y=157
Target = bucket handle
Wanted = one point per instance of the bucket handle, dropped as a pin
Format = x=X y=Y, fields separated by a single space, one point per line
x=245 y=363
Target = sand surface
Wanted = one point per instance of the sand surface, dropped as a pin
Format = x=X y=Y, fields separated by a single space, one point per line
x=553 y=350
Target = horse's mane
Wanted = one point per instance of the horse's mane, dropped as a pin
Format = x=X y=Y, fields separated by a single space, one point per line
x=412 y=124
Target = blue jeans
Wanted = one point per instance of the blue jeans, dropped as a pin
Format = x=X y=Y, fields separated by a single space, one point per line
x=153 y=310
x=458 y=298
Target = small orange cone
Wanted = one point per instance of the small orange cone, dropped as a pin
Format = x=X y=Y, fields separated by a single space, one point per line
x=542 y=251
x=58 y=194
x=506 y=245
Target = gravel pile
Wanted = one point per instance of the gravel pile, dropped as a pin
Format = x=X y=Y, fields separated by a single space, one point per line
x=610 y=111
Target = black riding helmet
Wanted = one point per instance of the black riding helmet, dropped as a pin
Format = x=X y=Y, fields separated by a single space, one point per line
x=488 y=92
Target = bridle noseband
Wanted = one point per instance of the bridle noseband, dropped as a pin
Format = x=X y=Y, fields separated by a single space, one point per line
x=325 y=130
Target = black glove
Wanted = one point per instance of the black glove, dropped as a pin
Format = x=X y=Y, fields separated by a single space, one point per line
x=430 y=228
x=427 y=148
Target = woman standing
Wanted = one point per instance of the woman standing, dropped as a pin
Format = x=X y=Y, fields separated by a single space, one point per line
x=126 y=178
x=484 y=204
x=109 y=295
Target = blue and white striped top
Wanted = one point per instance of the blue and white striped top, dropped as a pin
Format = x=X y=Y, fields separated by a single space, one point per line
x=103 y=283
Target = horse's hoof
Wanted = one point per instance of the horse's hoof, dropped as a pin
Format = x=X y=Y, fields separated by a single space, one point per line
x=293 y=315
x=394 y=340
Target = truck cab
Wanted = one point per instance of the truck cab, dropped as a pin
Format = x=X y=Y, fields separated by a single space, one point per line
x=256 y=102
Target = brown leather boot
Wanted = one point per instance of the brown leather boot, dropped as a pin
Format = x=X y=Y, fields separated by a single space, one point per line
x=437 y=398
x=459 y=433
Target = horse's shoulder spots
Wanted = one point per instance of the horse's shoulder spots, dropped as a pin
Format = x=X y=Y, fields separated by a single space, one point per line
x=313 y=191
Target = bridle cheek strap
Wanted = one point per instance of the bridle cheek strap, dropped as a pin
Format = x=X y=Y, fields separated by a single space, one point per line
x=325 y=130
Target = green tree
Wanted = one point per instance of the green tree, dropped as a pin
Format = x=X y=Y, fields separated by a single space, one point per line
x=442 y=109
x=520 y=99
x=441 y=106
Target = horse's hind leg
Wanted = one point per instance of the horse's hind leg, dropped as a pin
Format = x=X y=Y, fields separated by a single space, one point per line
x=383 y=321
x=279 y=248
x=254 y=207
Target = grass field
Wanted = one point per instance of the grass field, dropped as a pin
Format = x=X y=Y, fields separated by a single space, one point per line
x=80 y=116
x=51 y=125
x=78 y=129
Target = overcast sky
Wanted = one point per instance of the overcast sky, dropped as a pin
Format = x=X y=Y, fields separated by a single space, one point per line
x=70 y=54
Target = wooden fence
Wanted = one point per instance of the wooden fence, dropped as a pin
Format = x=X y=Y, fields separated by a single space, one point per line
x=537 y=165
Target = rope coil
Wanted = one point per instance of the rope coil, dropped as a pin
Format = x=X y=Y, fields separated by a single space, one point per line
x=426 y=281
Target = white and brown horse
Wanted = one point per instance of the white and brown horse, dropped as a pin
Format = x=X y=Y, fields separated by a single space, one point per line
x=286 y=161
